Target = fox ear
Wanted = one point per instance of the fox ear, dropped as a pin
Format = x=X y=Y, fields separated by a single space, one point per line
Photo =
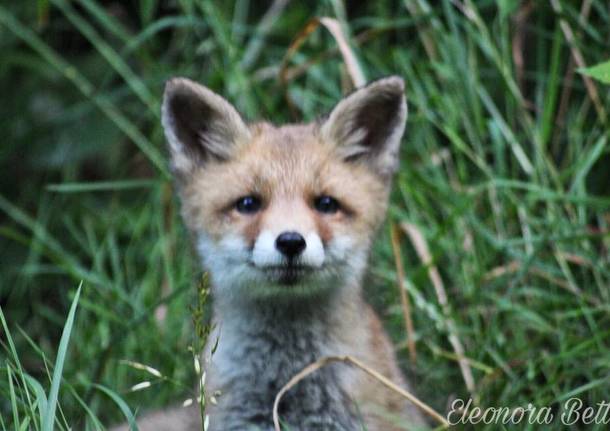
x=369 y=123
x=199 y=125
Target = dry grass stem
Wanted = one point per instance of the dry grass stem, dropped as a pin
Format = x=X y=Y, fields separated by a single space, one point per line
x=424 y=32
x=334 y=28
x=580 y=61
x=423 y=251
x=404 y=297
x=326 y=360
x=566 y=91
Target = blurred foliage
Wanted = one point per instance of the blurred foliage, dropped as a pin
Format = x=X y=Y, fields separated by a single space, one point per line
x=505 y=169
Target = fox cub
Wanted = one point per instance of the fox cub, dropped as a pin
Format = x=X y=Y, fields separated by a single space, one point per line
x=283 y=218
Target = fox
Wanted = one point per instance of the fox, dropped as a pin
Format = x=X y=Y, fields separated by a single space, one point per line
x=283 y=218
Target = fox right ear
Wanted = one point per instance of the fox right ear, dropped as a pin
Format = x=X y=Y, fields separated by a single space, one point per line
x=199 y=125
x=368 y=125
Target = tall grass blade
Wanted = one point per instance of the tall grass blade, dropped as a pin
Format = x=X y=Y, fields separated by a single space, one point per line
x=121 y=404
x=41 y=397
x=13 y=396
x=19 y=370
x=49 y=418
x=99 y=186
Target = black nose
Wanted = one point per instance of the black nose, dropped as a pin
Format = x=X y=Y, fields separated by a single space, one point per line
x=290 y=244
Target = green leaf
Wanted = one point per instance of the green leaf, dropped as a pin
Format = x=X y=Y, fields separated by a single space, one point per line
x=600 y=71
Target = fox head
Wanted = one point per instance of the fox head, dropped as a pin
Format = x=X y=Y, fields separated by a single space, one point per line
x=283 y=210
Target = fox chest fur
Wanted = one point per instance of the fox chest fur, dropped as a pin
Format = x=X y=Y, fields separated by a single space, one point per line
x=259 y=356
x=283 y=218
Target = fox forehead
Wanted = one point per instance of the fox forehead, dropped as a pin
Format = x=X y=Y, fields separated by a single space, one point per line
x=282 y=160
x=285 y=166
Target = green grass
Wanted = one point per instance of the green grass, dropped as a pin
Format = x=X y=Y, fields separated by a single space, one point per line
x=505 y=170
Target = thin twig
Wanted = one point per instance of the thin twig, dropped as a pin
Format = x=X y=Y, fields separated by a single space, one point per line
x=294 y=72
x=404 y=298
x=326 y=360
x=580 y=61
x=520 y=20
x=566 y=92
x=349 y=58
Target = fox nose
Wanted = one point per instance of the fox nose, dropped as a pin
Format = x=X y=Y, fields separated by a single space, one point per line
x=290 y=244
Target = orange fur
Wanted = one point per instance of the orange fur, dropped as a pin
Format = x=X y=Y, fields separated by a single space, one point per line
x=287 y=166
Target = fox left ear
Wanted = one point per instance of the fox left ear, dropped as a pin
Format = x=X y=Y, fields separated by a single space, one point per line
x=199 y=125
x=369 y=124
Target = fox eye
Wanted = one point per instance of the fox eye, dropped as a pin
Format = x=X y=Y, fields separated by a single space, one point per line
x=326 y=204
x=248 y=204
